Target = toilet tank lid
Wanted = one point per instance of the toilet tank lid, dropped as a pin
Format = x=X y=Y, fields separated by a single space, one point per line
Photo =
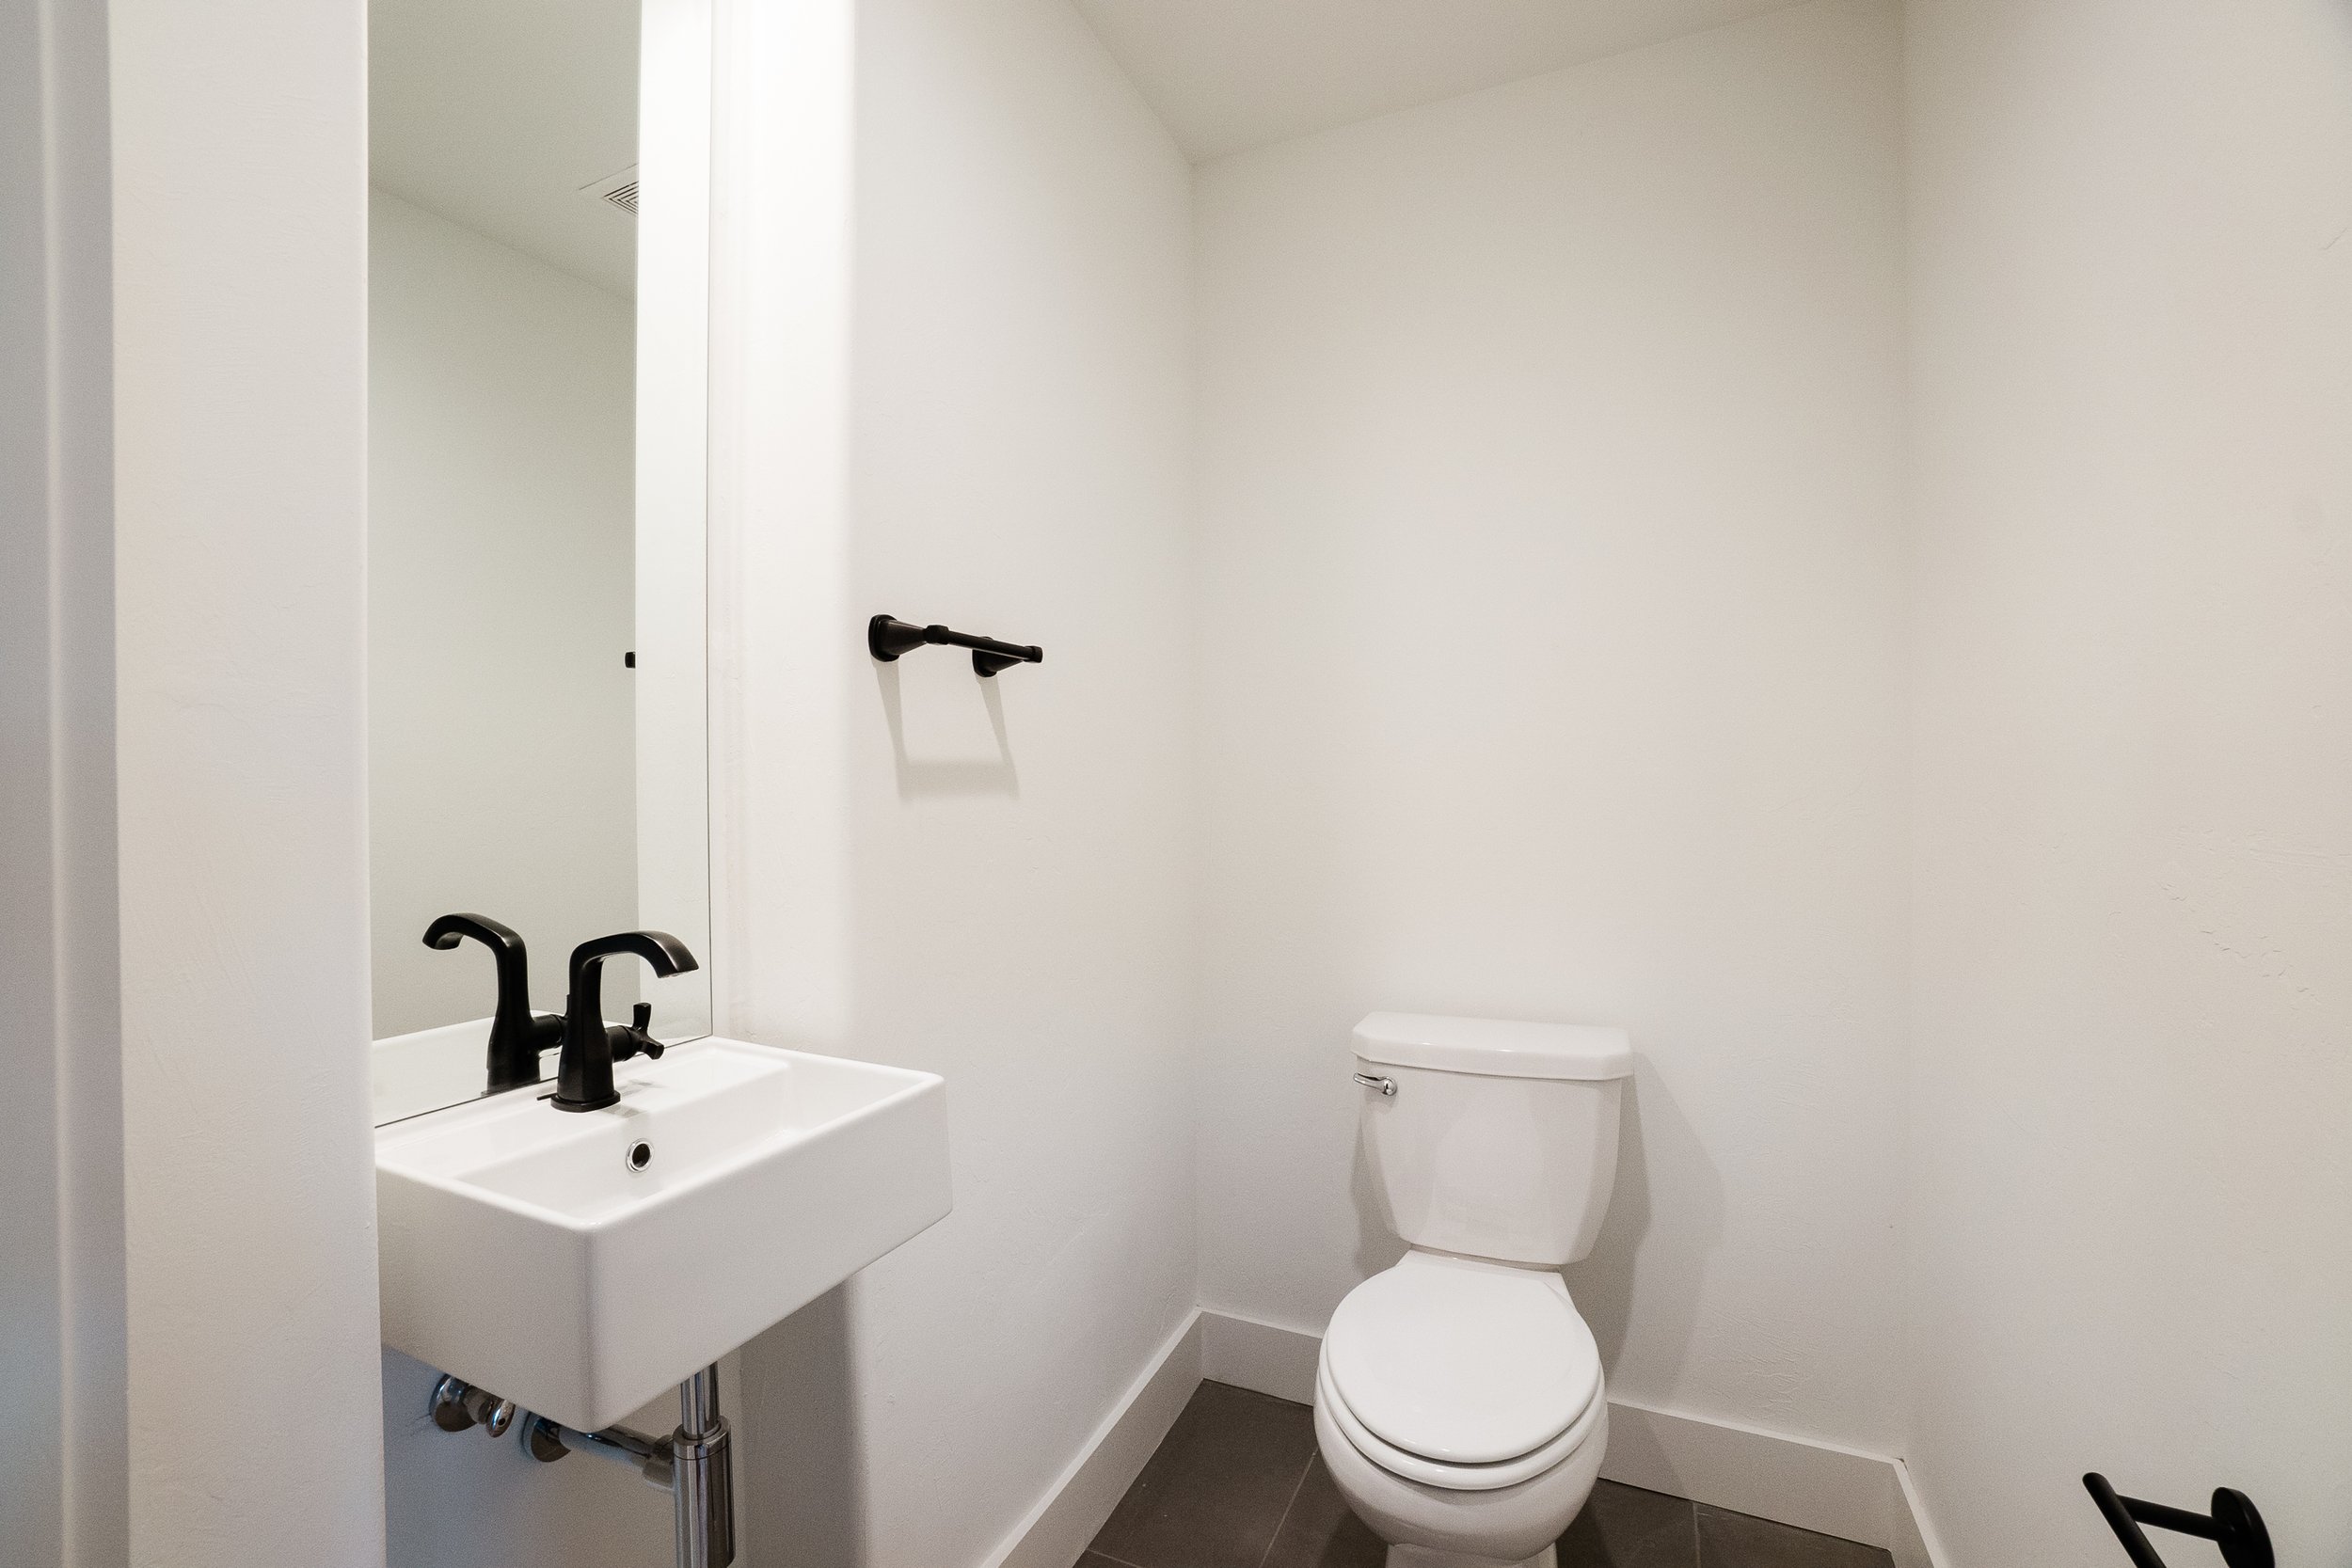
x=1494 y=1047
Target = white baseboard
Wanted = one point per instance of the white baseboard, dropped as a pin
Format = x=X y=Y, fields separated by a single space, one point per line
x=1055 y=1531
x=1814 y=1487
x=1914 y=1545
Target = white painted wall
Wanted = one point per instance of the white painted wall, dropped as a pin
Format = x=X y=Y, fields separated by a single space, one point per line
x=62 y=1475
x=240 y=313
x=2132 y=286
x=1551 y=667
x=500 y=601
x=988 y=879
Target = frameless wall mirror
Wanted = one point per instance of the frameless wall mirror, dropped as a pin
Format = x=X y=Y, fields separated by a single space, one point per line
x=538 y=213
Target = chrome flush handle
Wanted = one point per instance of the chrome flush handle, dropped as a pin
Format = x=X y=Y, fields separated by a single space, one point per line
x=1386 y=1085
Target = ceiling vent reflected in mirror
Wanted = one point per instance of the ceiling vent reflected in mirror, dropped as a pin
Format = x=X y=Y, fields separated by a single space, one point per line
x=617 y=190
x=494 y=114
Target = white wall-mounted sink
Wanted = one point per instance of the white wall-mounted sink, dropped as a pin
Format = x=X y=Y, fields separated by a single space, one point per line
x=521 y=1251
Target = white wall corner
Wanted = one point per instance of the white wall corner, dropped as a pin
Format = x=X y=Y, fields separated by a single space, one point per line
x=1264 y=1356
x=1913 y=1541
x=1055 y=1531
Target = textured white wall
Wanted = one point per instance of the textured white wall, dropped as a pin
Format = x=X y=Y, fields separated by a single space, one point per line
x=500 y=603
x=1551 y=667
x=240 y=254
x=2132 y=277
x=986 y=878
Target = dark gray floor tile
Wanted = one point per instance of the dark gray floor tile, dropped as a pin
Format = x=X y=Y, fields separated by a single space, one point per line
x=1215 y=1493
x=1624 y=1527
x=1322 y=1531
x=1728 y=1540
x=1238 y=1484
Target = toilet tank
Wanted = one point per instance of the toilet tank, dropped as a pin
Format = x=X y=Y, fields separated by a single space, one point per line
x=1501 y=1139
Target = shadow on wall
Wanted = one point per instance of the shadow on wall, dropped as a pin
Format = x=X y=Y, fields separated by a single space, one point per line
x=1377 y=1247
x=939 y=774
x=1603 y=1283
x=800 y=1485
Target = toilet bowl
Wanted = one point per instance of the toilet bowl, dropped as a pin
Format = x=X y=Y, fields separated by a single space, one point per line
x=1459 y=1404
x=1459 y=1408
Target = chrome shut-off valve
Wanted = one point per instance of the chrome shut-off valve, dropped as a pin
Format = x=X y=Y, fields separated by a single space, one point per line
x=695 y=1463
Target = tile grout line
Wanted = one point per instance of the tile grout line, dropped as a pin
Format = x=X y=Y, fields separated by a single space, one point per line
x=1283 y=1518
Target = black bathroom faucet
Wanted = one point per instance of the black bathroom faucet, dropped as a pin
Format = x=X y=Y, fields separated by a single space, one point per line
x=583 y=1076
x=518 y=1035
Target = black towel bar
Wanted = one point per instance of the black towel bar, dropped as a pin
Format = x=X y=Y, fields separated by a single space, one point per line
x=2234 y=1525
x=887 y=639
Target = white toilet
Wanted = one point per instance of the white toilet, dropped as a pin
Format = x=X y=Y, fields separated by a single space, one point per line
x=1458 y=1403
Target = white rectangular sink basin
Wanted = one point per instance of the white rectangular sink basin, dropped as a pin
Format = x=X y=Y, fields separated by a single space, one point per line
x=521 y=1251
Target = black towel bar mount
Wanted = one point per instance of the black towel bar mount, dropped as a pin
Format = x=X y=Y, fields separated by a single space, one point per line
x=887 y=639
x=2234 y=1525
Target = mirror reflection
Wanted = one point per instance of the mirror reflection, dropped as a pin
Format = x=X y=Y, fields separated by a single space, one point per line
x=534 y=544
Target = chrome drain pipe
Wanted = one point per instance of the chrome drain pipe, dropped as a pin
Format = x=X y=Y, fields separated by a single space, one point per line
x=702 y=1490
x=548 y=1441
x=695 y=1463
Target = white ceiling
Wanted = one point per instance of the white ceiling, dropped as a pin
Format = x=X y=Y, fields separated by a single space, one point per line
x=494 y=113
x=1231 y=74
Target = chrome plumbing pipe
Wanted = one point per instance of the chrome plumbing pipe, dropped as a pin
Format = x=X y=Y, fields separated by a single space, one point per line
x=648 y=1457
x=702 y=1465
x=698 y=1402
x=695 y=1463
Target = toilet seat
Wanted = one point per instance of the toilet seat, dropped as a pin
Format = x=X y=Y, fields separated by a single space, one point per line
x=1461 y=1363
x=1508 y=1524
x=1453 y=1478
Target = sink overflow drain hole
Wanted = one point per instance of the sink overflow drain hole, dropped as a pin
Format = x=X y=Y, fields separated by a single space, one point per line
x=640 y=1155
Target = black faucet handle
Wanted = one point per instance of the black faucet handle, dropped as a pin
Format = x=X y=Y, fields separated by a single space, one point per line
x=634 y=1039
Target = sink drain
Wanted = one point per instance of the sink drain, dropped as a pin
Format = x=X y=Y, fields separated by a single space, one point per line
x=640 y=1155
